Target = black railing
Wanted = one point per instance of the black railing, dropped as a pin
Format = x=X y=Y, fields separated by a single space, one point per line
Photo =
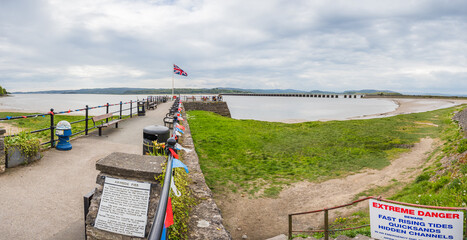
x=159 y=218
x=87 y=109
x=158 y=223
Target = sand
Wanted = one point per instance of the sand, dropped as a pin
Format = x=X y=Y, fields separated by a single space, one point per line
x=405 y=106
x=416 y=105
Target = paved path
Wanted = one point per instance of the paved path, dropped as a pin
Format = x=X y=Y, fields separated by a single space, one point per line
x=44 y=200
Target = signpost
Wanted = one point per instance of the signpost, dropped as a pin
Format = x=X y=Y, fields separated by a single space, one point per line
x=394 y=221
x=124 y=207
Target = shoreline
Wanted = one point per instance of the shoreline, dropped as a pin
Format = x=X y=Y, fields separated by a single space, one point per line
x=408 y=106
x=404 y=106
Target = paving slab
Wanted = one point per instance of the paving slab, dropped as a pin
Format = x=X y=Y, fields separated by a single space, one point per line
x=44 y=200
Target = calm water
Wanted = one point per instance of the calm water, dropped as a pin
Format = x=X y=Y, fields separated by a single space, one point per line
x=298 y=108
x=42 y=103
x=241 y=107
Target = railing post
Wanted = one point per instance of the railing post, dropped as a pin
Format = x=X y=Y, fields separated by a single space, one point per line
x=107 y=111
x=290 y=226
x=86 y=122
x=120 y=109
x=326 y=225
x=52 y=126
x=131 y=108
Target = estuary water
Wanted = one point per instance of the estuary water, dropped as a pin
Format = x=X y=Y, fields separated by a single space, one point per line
x=42 y=103
x=296 y=109
x=288 y=109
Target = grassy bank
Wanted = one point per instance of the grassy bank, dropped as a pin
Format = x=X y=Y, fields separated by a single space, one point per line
x=248 y=155
x=443 y=183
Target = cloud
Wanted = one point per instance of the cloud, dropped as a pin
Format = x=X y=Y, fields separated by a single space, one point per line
x=408 y=46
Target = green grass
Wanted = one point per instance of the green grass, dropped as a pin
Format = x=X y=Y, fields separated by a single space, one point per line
x=245 y=155
x=443 y=183
x=39 y=122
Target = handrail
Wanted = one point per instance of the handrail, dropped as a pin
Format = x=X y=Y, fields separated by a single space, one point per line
x=326 y=229
x=159 y=219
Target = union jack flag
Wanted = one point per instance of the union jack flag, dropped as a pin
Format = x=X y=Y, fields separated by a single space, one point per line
x=179 y=71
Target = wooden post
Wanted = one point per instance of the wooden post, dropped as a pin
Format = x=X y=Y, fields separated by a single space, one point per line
x=290 y=226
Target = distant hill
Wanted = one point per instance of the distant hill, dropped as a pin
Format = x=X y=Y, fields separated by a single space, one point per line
x=372 y=92
x=122 y=91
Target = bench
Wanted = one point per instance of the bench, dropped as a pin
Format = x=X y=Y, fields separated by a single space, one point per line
x=169 y=122
x=105 y=124
x=152 y=105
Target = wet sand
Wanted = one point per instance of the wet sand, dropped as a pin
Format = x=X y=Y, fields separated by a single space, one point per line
x=405 y=106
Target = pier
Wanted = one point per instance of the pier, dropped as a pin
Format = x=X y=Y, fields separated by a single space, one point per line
x=44 y=199
x=307 y=95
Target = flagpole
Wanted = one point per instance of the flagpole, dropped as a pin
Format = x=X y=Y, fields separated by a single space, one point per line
x=173 y=74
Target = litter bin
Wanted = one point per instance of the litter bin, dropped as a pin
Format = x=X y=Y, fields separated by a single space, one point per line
x=141 y=109
x=151 y=134
x=63 y=132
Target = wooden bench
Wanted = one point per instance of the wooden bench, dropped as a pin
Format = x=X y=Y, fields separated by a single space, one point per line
x=105 y=124
x=152 y=105
x=169 y=122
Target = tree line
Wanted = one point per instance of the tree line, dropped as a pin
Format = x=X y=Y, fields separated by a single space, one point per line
x=3 y=91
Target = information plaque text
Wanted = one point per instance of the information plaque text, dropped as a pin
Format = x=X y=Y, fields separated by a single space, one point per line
x=124 y=207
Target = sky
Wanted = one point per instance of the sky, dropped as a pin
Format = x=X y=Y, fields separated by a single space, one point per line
x=401 y=45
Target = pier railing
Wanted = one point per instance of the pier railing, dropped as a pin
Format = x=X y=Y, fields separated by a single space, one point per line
x=125 y=110
x=202 y=98
x=157 y=229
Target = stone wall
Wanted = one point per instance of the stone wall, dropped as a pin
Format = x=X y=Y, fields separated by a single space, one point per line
x=461 y=118
x=129 y=167
x=220 y=108
x=2 y=150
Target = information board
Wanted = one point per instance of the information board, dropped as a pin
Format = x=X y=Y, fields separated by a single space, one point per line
x=394 y=221
x=124 y=207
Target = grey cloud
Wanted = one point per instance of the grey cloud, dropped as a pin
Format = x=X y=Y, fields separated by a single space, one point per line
x=330 y=45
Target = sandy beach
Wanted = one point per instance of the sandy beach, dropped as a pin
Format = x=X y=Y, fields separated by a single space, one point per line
x=404 y=106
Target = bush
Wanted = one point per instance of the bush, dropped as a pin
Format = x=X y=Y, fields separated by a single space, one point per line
x=25 y=142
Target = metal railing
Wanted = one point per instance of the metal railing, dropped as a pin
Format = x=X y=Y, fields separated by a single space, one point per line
x=52 y=113
x=326 y=229
x=158 y=223
x=210 y=98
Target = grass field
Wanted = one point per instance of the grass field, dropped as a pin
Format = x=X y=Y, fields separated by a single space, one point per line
x=249 y=155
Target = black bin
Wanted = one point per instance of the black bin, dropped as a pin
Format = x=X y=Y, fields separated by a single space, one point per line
x=151 y=134
x=141 y=109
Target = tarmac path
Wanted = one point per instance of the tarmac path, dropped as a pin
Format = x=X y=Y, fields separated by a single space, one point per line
x=44 y=200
